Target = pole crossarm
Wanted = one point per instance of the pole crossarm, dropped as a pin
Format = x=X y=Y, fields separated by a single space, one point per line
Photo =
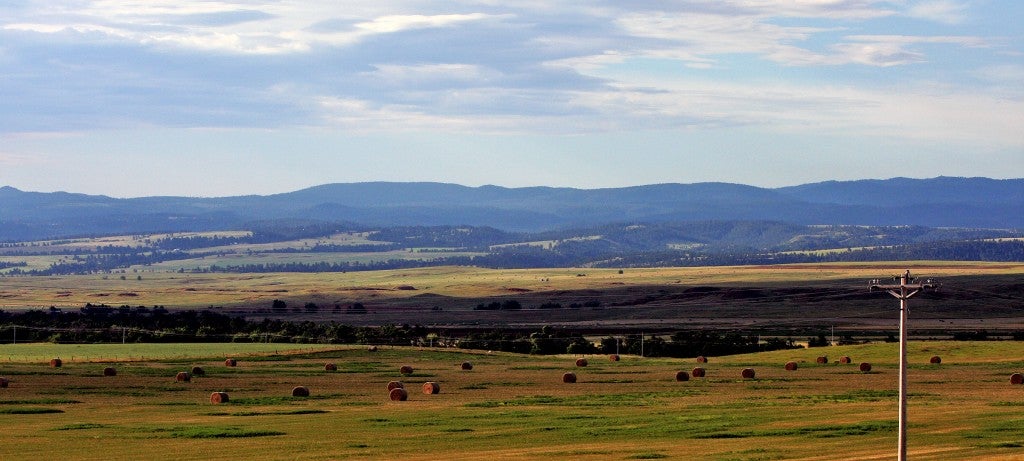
x=907 y=288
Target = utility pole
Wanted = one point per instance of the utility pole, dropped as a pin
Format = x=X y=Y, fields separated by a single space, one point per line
x=907 y=288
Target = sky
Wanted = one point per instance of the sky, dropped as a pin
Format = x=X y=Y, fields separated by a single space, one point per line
x=131 y=98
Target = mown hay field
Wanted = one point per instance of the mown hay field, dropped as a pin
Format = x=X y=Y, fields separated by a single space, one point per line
x=511 y=406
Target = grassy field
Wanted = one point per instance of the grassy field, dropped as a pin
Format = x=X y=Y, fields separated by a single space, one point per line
x=509 y=406
x=75 y=245
x=201 y=290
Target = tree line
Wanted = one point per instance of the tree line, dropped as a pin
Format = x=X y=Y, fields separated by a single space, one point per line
x=106 y=324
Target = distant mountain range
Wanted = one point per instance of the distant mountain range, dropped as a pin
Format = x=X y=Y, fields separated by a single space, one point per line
x=936 y=202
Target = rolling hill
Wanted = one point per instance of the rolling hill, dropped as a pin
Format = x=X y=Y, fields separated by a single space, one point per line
x=936 y=202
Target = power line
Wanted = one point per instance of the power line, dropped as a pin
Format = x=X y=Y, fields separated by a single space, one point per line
x=906 y=289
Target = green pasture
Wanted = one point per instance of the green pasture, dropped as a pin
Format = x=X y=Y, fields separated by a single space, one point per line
x=509 y=407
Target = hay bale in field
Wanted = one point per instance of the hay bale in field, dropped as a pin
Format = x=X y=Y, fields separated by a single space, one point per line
x=405 y=370
x=791 y=366
x=198 y=371
x=747 y=373
x=4 y=382
x=865 y=367
x=1016 y=378
x=395 y=385
x=821 y=359
x=371 y=349
x=935 y=360
x=702 y=359
x=569 y=378
x=614 y=357
x=431 y=387
x=109 y=371
x=330 y=367
x=698 y=372
x=682 y=376
x=300 y=391
x=56 y=363
x=845 y=359
x=466 y=366
x=219 y=397
x=230 y=362
x=398 y=394
x=183 y=377
x=581 y=362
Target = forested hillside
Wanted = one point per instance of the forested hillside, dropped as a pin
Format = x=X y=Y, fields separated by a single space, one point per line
x=285 y=246
x=937 y=202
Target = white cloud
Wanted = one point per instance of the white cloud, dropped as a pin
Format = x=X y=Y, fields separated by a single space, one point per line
x=488 y=65
x=444 y=74
x=396 y=23
x=1005 y=73
x=231 y=27
x=833 y=9
x=941 y=11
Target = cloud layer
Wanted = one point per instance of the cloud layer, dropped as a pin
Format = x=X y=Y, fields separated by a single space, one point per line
x=924 y=70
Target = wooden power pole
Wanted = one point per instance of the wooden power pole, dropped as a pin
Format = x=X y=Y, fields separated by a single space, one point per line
x=904 y=290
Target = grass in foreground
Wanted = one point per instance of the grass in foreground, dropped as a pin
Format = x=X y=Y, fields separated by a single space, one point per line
x=516 y=407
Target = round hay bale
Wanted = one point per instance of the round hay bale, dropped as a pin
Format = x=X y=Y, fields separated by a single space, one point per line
x=935 y=360
x=371 y=349
x=614 y=357
x=682 y=376
x=330 y=367
x=230 y=362
x=183 y=377
x=467 y=366
x=405 y=370
x=398 y=394
x=747 y=373
x=300 y=391
x=569 y=378
x=821 y=359
x=791 y=366
x=581 y=362
x=702 y=359
x=698 y=372
x=395 y=385
x=4 y=382
x=198 y=371
x=431 y=387
x=845 y=359
x=109 y=371
x=219 y=397
x=865 y=367
x=56 y=363
x=1016 y=378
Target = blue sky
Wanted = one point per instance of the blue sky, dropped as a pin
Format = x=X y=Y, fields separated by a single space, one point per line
x=214 y=98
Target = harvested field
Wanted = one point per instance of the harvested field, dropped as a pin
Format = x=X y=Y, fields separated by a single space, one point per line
x=516 y=407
